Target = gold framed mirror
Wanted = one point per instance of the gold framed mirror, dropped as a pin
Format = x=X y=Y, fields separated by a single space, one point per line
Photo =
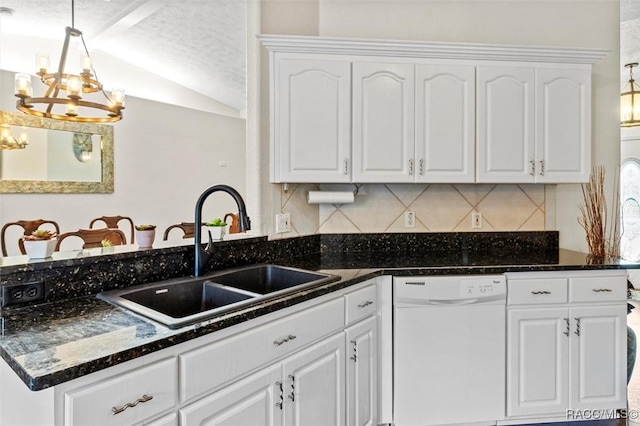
x=65 y=157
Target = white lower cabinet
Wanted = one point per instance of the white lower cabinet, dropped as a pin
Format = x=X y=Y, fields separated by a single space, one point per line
x=313 y=385
x=125 y=399
x=289 y=368
x=566 y=343
x=361 y=365
x=251 y=401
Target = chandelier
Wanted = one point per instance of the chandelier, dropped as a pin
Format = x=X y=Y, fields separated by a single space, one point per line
x=8 y=141
x=630 y=101
x=63 y=98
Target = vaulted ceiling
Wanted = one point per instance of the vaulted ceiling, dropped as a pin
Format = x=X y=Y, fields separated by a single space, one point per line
x=197 y=44
x=629 y=31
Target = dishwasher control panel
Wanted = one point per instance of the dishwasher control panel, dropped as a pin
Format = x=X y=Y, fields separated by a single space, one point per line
x=438 y=289
x=481 y=287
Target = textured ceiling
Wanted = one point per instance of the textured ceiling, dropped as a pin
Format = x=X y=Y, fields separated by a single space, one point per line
x=629 y=31
x=199 y=44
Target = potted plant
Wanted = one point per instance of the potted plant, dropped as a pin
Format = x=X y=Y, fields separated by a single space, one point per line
x=217 y=228
x=40 y=243
x=145 y=234
x=107 y=245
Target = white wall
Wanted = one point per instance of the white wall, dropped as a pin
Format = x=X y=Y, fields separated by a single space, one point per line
x=165 y=156
x=593 y=23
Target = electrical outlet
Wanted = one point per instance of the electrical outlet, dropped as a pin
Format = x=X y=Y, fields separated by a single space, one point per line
x=23 y=293
x=410 y=220
x=476 y=220
x=283 y=223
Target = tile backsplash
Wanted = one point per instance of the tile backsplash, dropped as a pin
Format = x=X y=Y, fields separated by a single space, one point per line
x=437 y=207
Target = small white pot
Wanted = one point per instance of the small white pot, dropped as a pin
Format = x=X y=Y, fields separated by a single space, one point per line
x=145 y=238
x=39 y=249
x=217 y=232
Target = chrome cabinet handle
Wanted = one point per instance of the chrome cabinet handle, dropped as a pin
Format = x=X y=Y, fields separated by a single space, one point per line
x=577 y=332
x=421 y=166
x=602 y=290
x=292 y=395
x=541 y=292
x=411 y=166
x=365 y=304
x=118 y=410
x=279 y=404
x=354 y=357
x=541 y=167
x=533 y=167
x=566 y=333
x=346 y=166
x=284 y=340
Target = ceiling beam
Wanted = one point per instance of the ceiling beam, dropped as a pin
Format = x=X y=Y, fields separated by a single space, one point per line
x=129 y=17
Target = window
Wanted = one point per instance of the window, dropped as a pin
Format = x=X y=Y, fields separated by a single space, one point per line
x=630 y=210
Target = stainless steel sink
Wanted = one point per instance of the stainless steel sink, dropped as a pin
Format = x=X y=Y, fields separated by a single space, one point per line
x=183 y=301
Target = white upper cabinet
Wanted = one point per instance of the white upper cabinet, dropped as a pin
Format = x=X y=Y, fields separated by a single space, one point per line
x=312 y=126
x=506 y=132
x=563 y=125
x=383 y=111
x=445 y=123
x=534 y=124
x=353 y=110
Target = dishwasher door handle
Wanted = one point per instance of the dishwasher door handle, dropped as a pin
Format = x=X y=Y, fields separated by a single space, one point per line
x=420 y=303
x=453 y=302
x=409 y=302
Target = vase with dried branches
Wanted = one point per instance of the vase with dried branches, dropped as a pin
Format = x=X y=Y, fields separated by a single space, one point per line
x=603 y=238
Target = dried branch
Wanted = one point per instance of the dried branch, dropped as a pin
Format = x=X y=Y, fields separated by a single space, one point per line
x=602 y=238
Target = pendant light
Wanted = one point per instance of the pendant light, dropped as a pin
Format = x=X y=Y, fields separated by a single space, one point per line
x=64 y=98
x=630 y=101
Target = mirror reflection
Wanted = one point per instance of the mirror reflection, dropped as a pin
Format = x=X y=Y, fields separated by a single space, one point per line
x=52 y=155
x=55 y=156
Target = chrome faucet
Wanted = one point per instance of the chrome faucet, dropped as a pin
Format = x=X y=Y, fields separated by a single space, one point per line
x=202 y=255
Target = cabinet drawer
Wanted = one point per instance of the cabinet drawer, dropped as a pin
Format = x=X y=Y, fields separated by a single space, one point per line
x=360 y=303
x=598 y=289
x=206 y=368
x=536 y=291
x=93 y=404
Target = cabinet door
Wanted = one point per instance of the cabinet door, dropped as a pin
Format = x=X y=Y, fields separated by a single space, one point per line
x=383 y=115
x=314 y=385
x=311 y=128
x=598 y=360
x=361 y=367
x=505 y=114
x=445 y=123
x=563 y=120
x=255 y=400
x=537 y=354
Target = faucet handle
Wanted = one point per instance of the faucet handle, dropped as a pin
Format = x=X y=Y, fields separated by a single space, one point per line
x=209 y=247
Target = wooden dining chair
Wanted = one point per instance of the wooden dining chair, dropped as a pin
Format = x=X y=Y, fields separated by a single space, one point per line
x=28 y=227
x=187 y=227
x=94 y=237
x=234 y=226
x=113 y=221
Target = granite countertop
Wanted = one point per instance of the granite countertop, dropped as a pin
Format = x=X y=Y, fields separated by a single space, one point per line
x=56 y=342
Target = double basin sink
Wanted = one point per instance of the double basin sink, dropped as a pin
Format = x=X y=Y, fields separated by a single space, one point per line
x=183 y=301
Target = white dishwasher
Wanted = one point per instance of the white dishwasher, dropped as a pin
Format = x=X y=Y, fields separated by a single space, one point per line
x=448 y=350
